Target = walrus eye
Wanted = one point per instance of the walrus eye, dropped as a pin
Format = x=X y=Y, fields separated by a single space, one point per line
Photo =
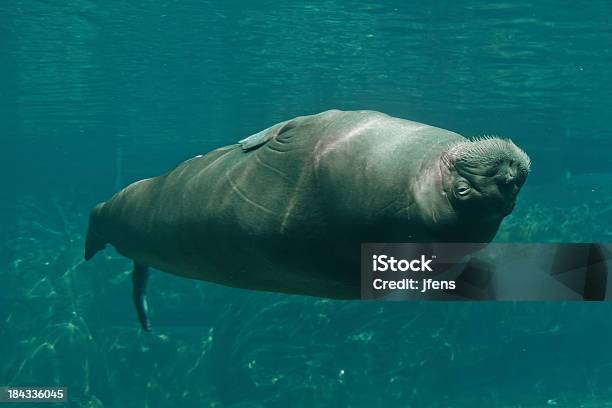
x=462 y=189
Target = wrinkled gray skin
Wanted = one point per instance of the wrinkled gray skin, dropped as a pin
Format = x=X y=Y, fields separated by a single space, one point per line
x=286 y=209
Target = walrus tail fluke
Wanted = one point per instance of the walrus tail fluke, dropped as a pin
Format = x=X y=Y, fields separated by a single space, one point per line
x=94 y=241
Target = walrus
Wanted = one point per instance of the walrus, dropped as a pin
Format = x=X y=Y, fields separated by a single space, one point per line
x=287 y=208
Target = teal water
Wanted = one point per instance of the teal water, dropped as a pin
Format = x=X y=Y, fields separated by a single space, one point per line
x=95 y=95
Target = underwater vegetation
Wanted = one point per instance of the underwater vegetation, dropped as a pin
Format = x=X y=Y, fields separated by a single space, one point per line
x=584 y=215
x=64 y=322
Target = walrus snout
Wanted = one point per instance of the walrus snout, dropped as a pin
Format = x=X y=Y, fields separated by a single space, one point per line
x=509 y=190
x=512 y=173
x=510 y=179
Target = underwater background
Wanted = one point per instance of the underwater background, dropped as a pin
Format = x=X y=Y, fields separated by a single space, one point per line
x=97 y=94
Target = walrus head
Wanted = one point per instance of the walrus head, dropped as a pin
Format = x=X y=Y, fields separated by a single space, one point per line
x=479 y=181
x=485 y=175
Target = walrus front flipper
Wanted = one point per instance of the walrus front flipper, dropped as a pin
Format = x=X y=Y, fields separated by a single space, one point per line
x=140 y=277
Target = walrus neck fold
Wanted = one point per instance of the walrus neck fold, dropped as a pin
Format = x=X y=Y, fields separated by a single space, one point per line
x=430 y=194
